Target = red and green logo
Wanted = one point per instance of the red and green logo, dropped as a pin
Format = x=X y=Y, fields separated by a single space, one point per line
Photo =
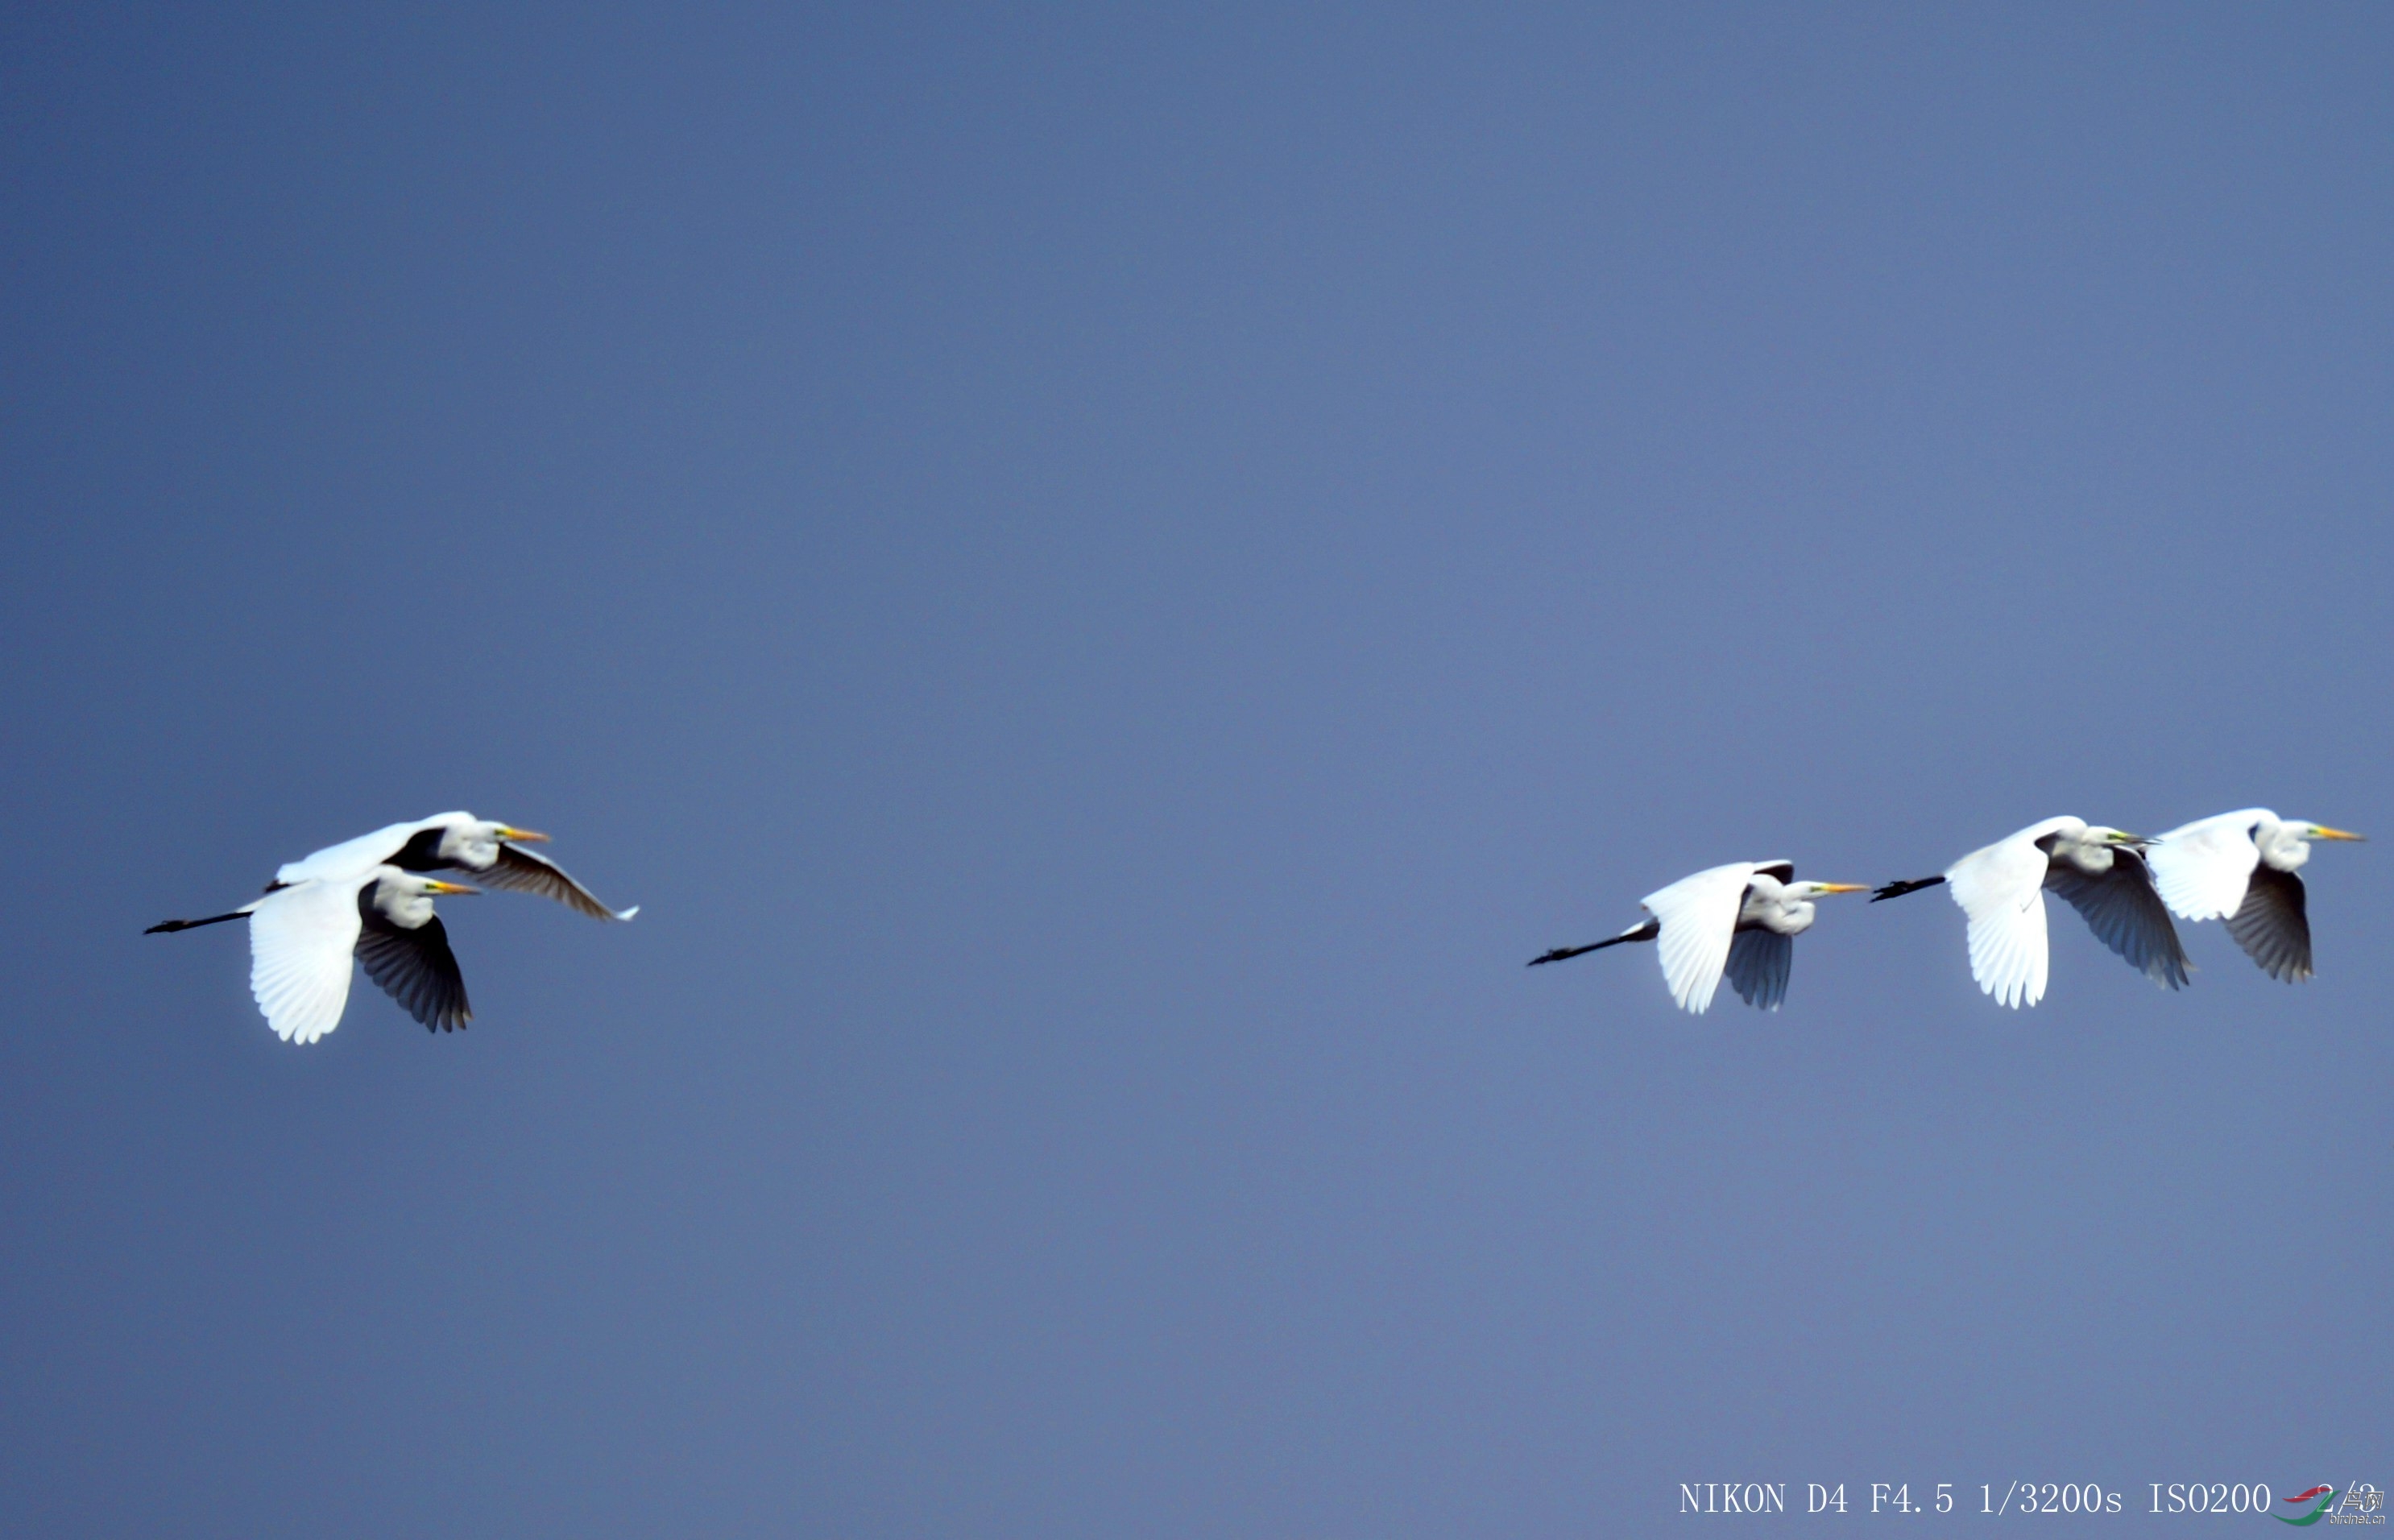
x=2325 y=1495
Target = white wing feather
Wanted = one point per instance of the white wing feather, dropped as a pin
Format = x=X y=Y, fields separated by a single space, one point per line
x=355 y=857
x=300 y=942
x=2002 y=890
x=1698 y=916
x=2203 y=868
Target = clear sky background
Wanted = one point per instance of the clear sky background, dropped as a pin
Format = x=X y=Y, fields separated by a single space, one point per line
x=1105 y=577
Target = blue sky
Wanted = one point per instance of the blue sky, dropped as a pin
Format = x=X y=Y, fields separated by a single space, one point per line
x=1105 y=577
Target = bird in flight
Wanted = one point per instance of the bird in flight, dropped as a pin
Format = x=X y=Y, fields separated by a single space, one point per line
x=303 y=934
x=370 y=898
x=2240 y=867
x=1738 y=921
x=2096 y=870
x=493 y=853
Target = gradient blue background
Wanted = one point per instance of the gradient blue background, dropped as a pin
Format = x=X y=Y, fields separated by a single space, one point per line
x=1106 y=577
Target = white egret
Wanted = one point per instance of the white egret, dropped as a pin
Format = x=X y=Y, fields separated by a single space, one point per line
x=2240 y=867
x=2001 y=889
x=302 y=935
x=456 y=842
x=1740 y=920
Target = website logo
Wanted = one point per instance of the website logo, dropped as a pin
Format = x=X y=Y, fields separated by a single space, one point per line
x=2357 y=1504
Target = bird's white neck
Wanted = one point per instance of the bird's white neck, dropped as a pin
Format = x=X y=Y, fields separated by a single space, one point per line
x=2083 y=850
x=2281 y=848
x=1769 y=904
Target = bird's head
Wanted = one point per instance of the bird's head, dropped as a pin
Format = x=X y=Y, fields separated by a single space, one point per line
x=2287 y=845
x=1822 y=889
x=2100 y=835
x=474 y=843
x=406 y=898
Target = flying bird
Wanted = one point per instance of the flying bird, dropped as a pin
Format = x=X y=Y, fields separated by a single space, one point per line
x=493 y=853
x=2096 y=870
x=1740 y=920
x=369 y=897
x=302 y=935
x=2240 y=867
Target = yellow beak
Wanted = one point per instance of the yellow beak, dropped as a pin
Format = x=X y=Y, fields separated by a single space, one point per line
x=527 y=837
x=1844 y=888
x=2337 y=834
x=436 y=886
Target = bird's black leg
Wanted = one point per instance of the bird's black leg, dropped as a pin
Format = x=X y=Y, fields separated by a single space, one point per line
x=194 y=925
x=1897 y=889
x=1646 y=932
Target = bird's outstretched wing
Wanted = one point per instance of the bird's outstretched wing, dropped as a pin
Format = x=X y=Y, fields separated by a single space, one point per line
x=300 y=938
x=1698 y=915
x=520 y=871
x=415 y=967
x=2002 y=890
x=2125 y=913
x=355 y=857
x=1759 y=961
x=2201 y=868
x=2272 y=925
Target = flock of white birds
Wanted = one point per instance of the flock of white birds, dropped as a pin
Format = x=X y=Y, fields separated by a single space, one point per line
x=1739 y=921
x=369 y=899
